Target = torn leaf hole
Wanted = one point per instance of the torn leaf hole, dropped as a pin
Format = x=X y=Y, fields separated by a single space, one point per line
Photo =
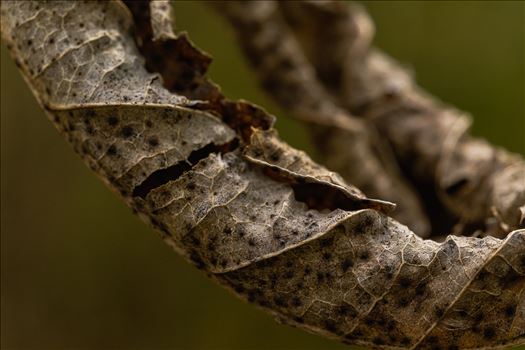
x=183 y=69
x=172 y=173
x=316 y=195
x=321 y=196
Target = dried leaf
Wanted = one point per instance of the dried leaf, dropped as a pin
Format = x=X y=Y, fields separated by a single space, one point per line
x=349 y=145
x=463 y=177
x=258 y=216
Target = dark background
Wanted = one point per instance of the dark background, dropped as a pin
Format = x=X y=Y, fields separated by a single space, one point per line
x=78 y=270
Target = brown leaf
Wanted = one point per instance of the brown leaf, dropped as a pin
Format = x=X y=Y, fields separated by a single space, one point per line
x=259 y=217
x=459 y=176
x=349 y=145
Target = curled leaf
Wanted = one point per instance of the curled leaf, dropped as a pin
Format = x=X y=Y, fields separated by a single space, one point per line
x=259 y=217
x=349 y=145
x=459 y=176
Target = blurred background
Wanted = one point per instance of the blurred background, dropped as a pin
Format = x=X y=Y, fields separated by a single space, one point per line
x=78 y=270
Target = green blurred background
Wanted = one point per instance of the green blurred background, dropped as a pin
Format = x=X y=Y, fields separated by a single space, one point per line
x=80 y=271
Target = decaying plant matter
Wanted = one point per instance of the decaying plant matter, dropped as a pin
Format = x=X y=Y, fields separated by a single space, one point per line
x=263 y=219
x=315 y=58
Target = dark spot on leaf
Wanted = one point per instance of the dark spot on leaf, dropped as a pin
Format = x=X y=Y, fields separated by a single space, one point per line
x=127 y=131
x=510 y=310
x=326 y=242
x=369 y=321
x=439 y=312
x=510 y=279
x=330 y=326
x=420 y=289
x=381 y=321
x=112 y=150
x=404 y=282
x=273 y=279
x=405 y=341
x=363 y=224
x=280 y=301
x=195 y=241
x=296 y=302
x=364 y=255
x=288 y=274
x=403 y=301
x=489 y=333
x=211 y=246
x=320 y=277
x=112 y=121
x=327 y=256
x=328 y=275
x=463 y=313
x=479 y=316
x=346 y=264
x=344 y=310
x=153 y=141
